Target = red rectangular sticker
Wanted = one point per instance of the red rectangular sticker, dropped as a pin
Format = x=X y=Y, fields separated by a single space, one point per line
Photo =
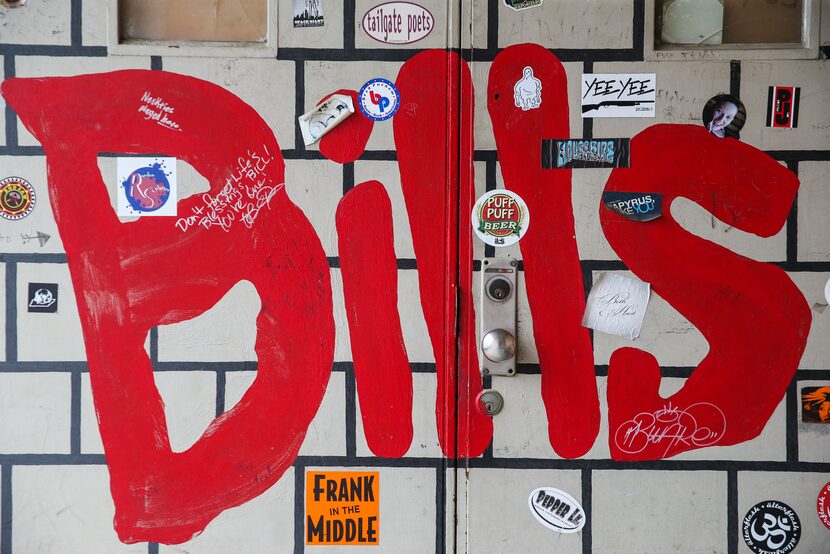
x=782 y=107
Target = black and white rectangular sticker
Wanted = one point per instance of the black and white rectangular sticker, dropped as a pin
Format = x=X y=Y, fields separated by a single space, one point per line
x=618 y=94
x=43 y=298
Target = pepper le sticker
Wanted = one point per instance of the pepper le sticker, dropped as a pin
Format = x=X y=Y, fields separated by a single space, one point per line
x=500 y=218
x=771 y=527
x=556 y=509
x=379 y=99
x=823 y=505
x=17 y=198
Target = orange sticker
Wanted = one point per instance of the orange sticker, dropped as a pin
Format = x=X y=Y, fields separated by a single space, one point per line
x=342 y=507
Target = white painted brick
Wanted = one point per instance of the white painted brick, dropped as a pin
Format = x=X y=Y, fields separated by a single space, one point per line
x=387 y=173
x=424 y=427
x=329 y=35
x=414 y=327
x=817 y=352
x=813 y=131
x=474 y=24
x=683 y=88
x=441 y=14
x=797 y=490
x=326 y=436
x=342 y=340
x=407 y=512
x=264 y=524
x=813 y=207
x=649 y=511
x=499 y=518
x=266 y=84
x=323 y=78
x=90 y=434
x=36 y=23
x=34 y=413
x=586 y=201
x=813 y=438
x=569 y=25
x=666 y=334
x=3 y=312
x=189 y=404
x=2 y=118
x=41 y=219
x=94 y=29
x=225 y=332
x=316 y=186
x=63 y=510
x=38 y=66
x=61 y=331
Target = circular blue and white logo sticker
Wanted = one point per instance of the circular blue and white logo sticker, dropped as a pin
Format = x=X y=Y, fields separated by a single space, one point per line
x=379 y=99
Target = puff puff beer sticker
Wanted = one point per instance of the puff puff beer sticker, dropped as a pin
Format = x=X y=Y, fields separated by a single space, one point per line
x=342 y=507
x=500 y=217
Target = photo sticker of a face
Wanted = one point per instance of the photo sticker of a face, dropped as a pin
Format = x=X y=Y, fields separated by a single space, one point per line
x=815 y=404
x=724 y=116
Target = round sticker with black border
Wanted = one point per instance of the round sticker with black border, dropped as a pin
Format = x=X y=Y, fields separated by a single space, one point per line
x=17 y=198
x=500 y=217
x=771 y=527
x=379 y=99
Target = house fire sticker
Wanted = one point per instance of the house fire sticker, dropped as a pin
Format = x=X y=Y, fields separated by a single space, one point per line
x=500 y=218
x=556 y=510
x=17 y=198
x=342 y=507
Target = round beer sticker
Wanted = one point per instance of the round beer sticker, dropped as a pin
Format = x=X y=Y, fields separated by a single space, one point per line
x=17 y=198
x=500 y=217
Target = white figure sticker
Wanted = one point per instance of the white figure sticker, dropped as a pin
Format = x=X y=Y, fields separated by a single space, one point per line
x=325 y=117
x=527 y=92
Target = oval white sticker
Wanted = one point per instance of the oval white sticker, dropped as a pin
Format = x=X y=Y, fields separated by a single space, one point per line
x=398 y=22
x=556 y=510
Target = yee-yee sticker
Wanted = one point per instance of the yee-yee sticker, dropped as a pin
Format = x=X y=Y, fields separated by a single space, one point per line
x=500 y=218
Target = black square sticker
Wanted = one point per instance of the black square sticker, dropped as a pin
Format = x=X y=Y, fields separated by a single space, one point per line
x=43 y=298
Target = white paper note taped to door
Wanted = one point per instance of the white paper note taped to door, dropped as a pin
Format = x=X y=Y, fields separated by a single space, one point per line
x=617 y=305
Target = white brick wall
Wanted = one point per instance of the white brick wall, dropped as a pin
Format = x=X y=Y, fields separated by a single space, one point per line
x=59 y=499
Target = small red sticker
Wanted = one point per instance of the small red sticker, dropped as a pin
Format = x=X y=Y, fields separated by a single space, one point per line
x=823 y=505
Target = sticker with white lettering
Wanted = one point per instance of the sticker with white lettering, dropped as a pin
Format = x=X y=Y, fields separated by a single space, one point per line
x=618 y=94
x=636 y=206
x=398 y=22
x=522 y=4
x=771 y=527
x=556 y=510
